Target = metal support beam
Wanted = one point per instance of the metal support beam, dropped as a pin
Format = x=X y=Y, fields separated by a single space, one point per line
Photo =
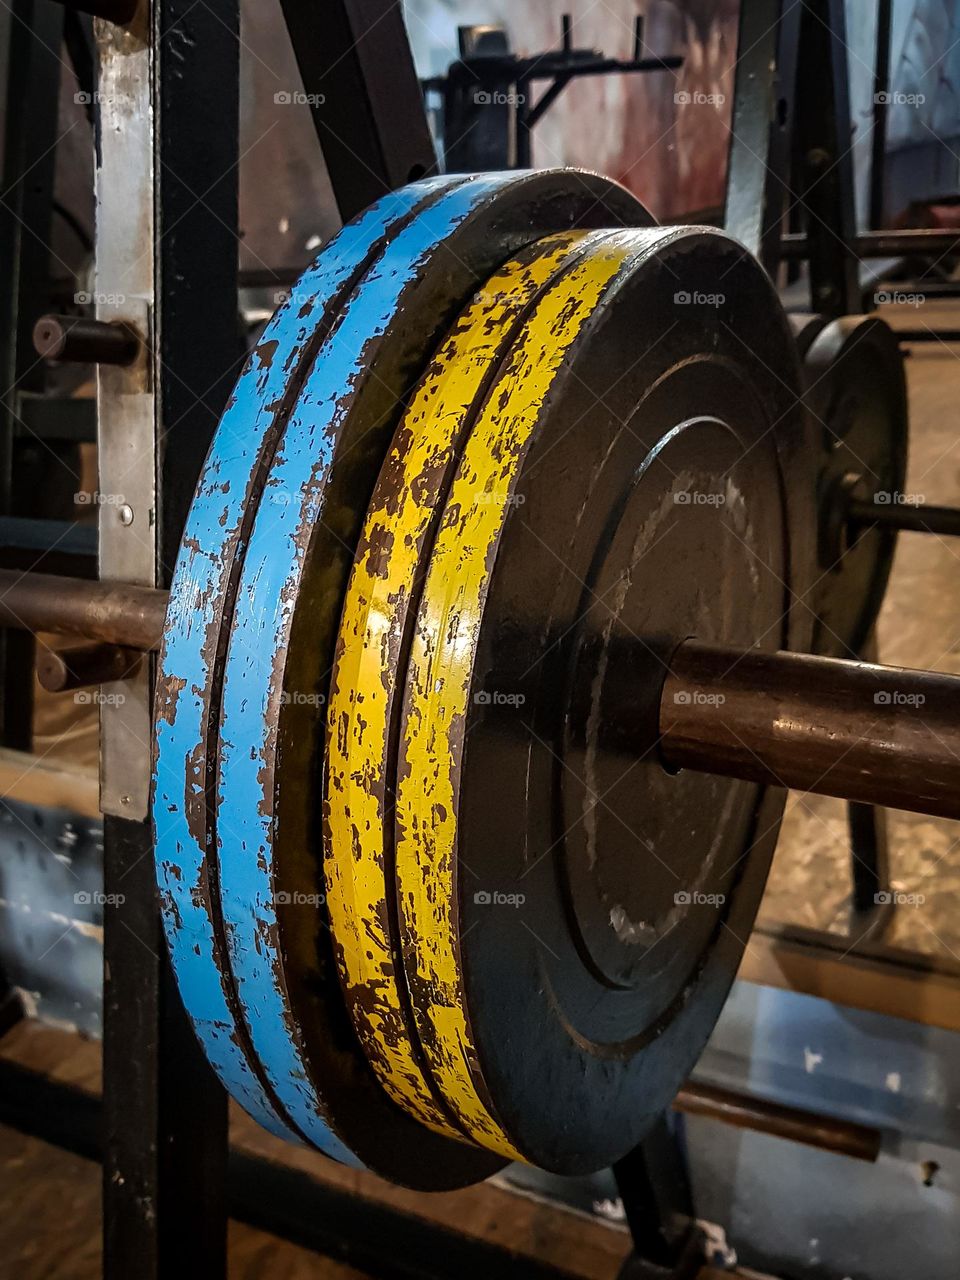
x=758 y=172
x=362 y=89
x=30 y=68
x=166 y=266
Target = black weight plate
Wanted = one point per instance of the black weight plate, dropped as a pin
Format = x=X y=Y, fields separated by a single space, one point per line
x=856 y=394
x=600 y=904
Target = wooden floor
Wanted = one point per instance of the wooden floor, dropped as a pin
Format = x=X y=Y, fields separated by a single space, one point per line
x=50 y=1200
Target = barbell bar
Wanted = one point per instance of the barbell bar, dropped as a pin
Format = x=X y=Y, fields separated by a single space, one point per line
x=858 y=731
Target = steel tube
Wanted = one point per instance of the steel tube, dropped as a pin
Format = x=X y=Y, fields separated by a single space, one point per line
x=884 y=244
x=84 y=341
x=881 y=735
x=113 y=612
x=745 y=1112
x=899 y=515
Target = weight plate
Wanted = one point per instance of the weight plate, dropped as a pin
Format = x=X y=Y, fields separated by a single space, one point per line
x=281 y=649
x=201 y=605
x=638 y=474
x=856 y=393
x=367 y=683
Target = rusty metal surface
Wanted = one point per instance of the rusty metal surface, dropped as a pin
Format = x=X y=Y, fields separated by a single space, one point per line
x=284 y=627
x=188 y=695
x=513 y=628
x=876 y=735
x=126 y=403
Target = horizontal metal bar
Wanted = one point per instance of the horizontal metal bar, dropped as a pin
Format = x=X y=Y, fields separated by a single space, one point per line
x=881 y=735
x=907 y=516
x=883 y=244
x=790 y=1123
x=111 y=611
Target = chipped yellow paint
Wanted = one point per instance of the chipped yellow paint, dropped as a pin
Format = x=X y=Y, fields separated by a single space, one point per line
x=365 y=693
x=439 y=677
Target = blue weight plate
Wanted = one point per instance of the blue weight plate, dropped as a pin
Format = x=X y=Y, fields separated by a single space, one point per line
x=201 y=607
x=282 y=643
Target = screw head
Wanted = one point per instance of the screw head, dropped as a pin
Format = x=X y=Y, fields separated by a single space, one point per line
x=125 y=514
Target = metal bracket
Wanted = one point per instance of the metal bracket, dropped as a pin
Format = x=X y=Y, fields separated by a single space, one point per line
x=126 y=394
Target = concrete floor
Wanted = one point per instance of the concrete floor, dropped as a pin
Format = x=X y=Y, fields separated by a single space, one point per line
x=919 y=627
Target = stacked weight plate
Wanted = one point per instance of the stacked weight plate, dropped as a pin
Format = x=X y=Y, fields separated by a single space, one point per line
x=856 y=395
x=505 y=445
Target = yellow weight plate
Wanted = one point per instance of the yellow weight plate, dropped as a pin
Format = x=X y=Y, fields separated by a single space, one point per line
x=440 y=668
x=366 y=692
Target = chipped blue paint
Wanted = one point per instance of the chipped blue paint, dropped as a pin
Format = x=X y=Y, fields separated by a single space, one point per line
x=187 y=669
x=251 y=689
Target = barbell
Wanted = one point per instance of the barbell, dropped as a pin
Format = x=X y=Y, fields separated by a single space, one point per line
x=484 y=668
